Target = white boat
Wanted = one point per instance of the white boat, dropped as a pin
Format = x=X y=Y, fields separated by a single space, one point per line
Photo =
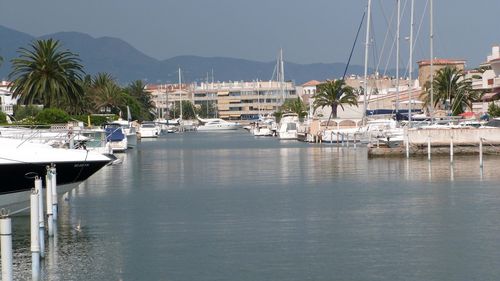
x=217 y=124
x=129 y=131
x=116 y=137
x=148 y=130
x=287 y=129
x=21 y=161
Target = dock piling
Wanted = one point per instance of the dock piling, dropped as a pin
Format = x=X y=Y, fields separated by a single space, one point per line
x=54 y=192
x=451 y=149
x=6 y=245
x=481 y=152
x=429 y=148
x=407 y=147
x=41 y=220
x=48 y=189
x=35 y=239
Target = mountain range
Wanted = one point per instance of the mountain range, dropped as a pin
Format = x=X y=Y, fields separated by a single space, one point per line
x=126 y=63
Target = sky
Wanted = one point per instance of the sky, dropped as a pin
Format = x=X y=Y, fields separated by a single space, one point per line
x=312 y=31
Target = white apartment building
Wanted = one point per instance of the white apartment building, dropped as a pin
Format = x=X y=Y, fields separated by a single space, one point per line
x=243 y=100
x=490 y=80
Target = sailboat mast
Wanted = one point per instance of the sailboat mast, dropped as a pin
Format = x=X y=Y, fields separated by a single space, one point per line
x=432 y=60
x=412 y=23
x=367 y=44
x=180 y=94
x=398 y=41
x=282 y=74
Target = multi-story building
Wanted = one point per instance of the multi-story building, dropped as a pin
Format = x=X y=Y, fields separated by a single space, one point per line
x=243 y=100
x=167 y=96
x=490 y=78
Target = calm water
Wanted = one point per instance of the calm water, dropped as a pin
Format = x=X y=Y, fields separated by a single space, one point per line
x=228 y=206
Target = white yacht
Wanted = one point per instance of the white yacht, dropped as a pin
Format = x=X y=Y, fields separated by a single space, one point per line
x=148 y=130
x=287 y=129
x=129 y=131
x=21 y=161
x=217 y=124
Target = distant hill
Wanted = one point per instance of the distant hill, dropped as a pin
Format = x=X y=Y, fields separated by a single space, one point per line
x=126 y=63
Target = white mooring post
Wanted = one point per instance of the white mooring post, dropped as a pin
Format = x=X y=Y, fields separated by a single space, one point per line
x=6 y=245
x=354 y=140
x=407 y=144
x=451 y=149
x=337 y=134
x=35 y=239
x=55 y=204
x=48 y=197
x=347 y=140
x=481 y=152
x=429 y=148
x=343 y=139
x=41 y=219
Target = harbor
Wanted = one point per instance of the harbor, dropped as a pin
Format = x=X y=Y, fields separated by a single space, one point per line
x=187 y=206
x=301 y=141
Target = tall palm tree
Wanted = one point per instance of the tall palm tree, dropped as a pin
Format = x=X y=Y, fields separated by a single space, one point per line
x=333 y=94
x=108 y=96
x=46 y=74
x=137 y=89
x=452 y=89
x=295 y=106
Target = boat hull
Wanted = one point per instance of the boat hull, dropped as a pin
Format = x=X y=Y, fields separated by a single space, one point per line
x=18 y=179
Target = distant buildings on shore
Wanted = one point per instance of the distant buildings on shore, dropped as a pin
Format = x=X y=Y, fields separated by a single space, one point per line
x=244 y=100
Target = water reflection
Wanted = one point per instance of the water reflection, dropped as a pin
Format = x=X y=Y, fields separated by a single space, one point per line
x=192 y=207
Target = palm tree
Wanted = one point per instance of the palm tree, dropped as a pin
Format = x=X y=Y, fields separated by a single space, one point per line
x=46 y=74
x=451 y=89
x=333 y=94
x=137 y=89
x=295 y=106
x=108 y=96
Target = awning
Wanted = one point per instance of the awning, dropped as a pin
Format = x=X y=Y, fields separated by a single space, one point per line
x=491 y=96
x=223 y=93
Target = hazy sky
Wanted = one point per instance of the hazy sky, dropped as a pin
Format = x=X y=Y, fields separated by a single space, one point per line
x=308 y=30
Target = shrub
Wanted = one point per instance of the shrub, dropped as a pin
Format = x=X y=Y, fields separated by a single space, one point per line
x=97 y=120
x=52 y=116
x=493 y=110
x=24 y=111
x=3 y=117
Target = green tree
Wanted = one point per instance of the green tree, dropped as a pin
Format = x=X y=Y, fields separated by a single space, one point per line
x=109 y=98
x=137 y=90
x=207 y=109
x=23 y=111
x=451 y=90
x=493 y=110
x=188 y=110
x=47 y=75
x=3 y=118
x=333 y=94
x=296 y=106
x=102 y=94
x=52 y=116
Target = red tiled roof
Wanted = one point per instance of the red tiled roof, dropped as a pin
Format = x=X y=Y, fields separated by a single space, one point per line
x=311 y=83
x=441 y=62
